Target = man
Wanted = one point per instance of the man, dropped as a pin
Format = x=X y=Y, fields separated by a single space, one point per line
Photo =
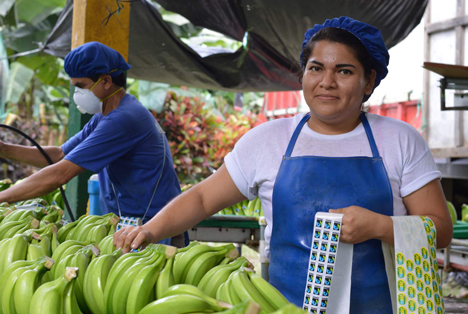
x=122 y=142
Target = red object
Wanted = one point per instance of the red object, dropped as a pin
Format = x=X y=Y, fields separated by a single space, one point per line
x=407 y=111
x=281 y=104
x=284 y=104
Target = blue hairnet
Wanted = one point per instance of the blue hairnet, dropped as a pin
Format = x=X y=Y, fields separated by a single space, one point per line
x=94 y=58
x=370 y=37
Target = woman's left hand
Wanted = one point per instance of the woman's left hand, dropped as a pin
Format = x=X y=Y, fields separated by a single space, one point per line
x=360 y=224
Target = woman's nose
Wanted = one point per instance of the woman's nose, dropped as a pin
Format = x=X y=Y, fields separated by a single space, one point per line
x=328 y=80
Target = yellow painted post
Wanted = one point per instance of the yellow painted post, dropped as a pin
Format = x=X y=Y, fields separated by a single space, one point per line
x=91 y=22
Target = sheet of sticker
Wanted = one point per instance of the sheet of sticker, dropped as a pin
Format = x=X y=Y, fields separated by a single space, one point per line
x=418 y=286
x=322 y=260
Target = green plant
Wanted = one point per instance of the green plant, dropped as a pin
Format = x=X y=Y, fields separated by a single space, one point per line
x=199 y=139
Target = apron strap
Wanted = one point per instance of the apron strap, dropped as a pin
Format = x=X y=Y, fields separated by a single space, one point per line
x=296 y=133
x=370 y=136
x=365 y=123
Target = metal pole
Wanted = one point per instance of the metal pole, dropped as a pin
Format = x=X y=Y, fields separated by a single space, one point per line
x=265 y=261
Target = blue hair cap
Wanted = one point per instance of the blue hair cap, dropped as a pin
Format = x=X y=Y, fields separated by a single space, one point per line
x=94 y=58
x=369 y=36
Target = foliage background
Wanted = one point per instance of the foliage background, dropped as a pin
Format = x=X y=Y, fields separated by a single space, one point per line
x=202 y=126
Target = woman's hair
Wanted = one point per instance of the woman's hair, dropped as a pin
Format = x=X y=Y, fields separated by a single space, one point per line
x=120 y=80
x=341 y=36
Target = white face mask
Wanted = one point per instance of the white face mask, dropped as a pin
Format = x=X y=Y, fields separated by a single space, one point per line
x=86 y=101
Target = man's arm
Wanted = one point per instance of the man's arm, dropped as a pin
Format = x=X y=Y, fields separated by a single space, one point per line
x=30 y=155
x=43 y=182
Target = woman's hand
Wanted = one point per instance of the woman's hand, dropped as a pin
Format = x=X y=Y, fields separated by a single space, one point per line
x=360 y=224
x=130 y=238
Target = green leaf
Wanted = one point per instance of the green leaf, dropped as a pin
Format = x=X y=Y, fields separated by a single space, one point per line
x=20 y=76
x=35 y=11
x=47 y=67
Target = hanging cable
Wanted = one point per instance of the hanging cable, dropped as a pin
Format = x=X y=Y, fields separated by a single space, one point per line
x=46 y=157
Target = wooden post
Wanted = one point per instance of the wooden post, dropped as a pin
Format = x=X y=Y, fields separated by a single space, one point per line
x=91 y=22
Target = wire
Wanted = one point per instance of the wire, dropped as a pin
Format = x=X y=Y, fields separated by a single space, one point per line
x=46 y=156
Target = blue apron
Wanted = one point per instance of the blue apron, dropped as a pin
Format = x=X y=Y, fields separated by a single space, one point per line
x=306 y=185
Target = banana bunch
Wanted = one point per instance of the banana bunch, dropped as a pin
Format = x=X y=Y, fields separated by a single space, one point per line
x=11 y=228
x=89 y=228
x=131 y=280
x=245 y=208
x=19 y=282
x=44 y=243
x=190 y=266
x=58 y=296
x=185 y=298
x=220 y=274
x=107 y=244
x=81 y=260
x=95 y=280
x=14 y=249
x=54 y=214
x=243 y=285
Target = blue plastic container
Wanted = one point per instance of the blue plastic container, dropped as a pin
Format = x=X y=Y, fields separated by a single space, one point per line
x=93 y=190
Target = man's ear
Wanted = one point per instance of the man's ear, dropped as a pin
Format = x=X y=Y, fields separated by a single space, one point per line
x=107 y=80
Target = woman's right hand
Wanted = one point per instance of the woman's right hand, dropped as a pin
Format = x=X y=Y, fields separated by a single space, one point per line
x=130 y=238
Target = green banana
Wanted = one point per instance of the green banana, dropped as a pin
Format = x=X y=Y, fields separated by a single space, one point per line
x=270 y=293
x=117 y=303
x=247 y=291
x=95 y=281
x=220 y=274
x=17 y=250
x=184 y=289
x=207 y=261
x=104 y=245
x=182 y=303
x=165 y=279
x=97 y=233
x=81 y=260
x=223 y=294
x=26 y=284
x=120 y=267
x=12 y=225
x=248 y=307
x=140 y=292
x=183 y=264
x=65 y=230
x=49 y=298
x=60 y=250
x=235 y=299
x=70 y=303
x=34 y=252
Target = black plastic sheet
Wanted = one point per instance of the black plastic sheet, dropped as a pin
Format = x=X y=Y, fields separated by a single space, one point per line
x=274 y=30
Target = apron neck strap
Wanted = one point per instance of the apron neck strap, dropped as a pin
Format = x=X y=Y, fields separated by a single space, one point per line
x=365 y=123
x=370 y=136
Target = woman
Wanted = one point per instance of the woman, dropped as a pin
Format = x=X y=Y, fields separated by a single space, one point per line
x=334 y=158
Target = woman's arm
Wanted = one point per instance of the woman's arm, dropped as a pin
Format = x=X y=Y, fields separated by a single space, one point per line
x=430 y=201
x=200 y=202
x=360 y=224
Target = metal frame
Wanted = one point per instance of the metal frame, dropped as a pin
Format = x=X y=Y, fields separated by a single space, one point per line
x=450 y=83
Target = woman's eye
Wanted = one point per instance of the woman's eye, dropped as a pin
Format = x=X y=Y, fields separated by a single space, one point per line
x=345 y=71
x=314 y=68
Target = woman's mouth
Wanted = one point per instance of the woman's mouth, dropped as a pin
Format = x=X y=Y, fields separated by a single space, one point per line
x=327 y=97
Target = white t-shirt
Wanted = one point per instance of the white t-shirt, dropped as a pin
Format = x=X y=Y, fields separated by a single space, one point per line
x=256 y=158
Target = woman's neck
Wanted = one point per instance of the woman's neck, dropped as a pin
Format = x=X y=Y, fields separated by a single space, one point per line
x=333 y=126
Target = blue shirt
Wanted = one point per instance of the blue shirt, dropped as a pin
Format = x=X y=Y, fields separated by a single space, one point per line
x=126 y=148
